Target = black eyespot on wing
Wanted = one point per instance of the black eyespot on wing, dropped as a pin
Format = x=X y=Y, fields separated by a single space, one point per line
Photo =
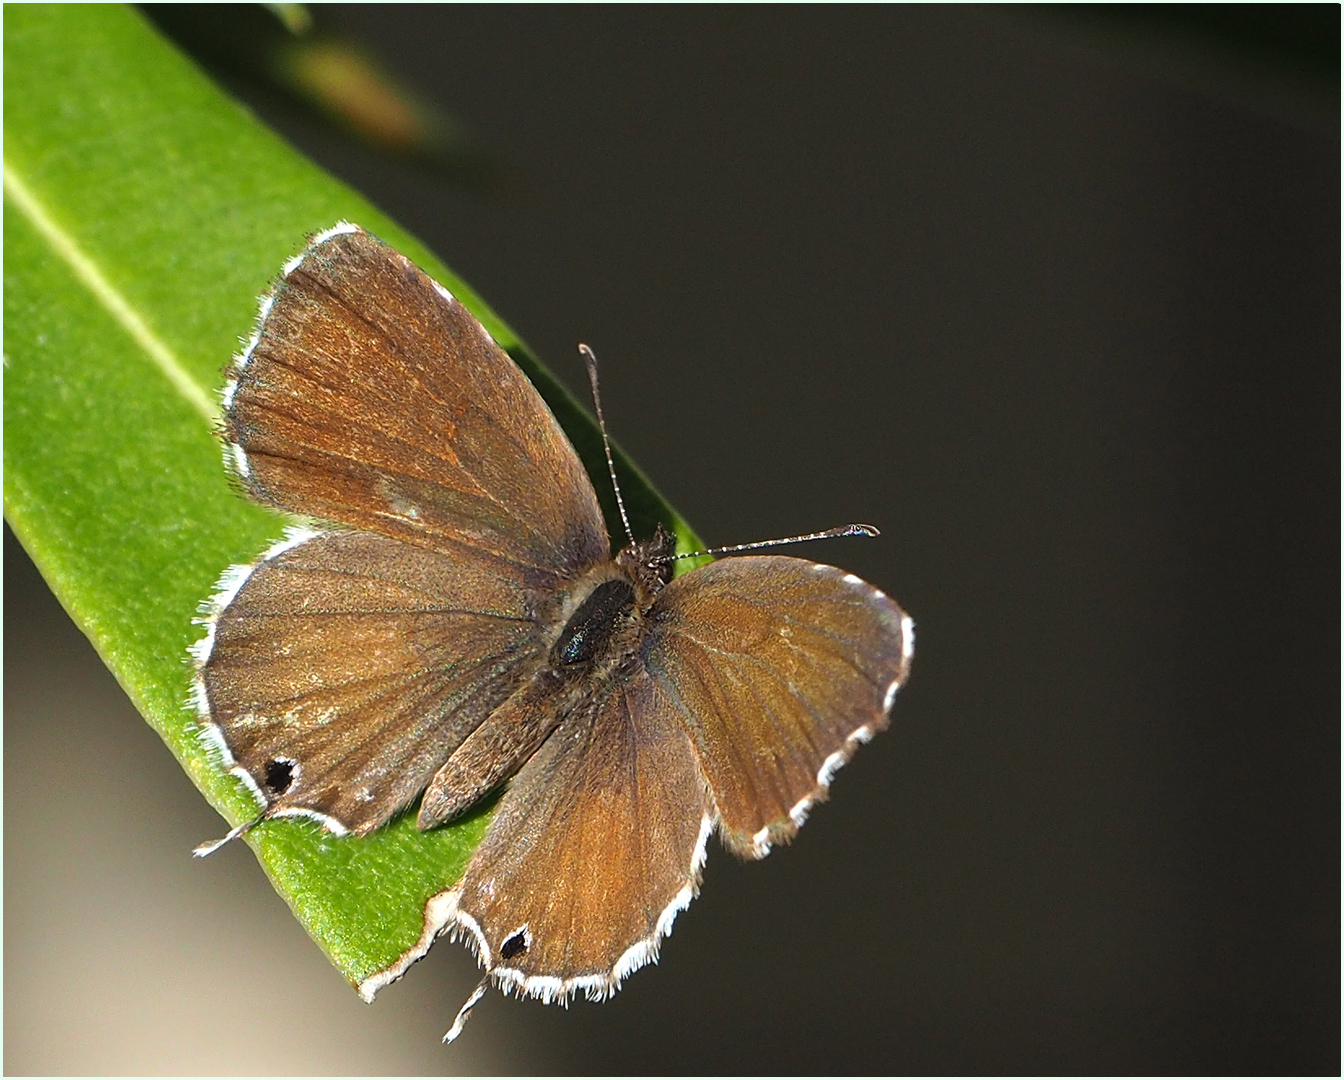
x=514 y=946
x=279 y=775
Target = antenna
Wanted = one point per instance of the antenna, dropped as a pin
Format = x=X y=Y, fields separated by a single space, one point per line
x=839 y=530
x=591 y=361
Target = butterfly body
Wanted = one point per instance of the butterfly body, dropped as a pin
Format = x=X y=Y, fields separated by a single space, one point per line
x=594 y=629
x=462 y=624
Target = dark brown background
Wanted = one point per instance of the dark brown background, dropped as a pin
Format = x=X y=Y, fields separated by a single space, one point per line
x=1057 y=306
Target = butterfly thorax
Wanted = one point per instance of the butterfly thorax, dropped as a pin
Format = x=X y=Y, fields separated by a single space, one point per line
x=603 y=621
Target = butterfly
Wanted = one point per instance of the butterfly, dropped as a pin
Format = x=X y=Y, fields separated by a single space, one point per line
x=461 y=625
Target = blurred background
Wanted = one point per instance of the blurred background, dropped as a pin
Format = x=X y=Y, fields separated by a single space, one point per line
x=1050 y=296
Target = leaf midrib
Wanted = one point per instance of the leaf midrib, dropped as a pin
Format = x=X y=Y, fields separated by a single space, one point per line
x=86 y=269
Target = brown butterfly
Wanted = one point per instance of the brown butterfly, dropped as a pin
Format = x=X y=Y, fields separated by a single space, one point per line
x=462 y=624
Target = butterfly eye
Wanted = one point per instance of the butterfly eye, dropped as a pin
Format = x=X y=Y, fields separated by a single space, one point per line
x=514 y=946
x=279 y=775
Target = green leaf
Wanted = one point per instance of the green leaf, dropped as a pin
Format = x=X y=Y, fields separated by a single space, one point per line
x=144 y=213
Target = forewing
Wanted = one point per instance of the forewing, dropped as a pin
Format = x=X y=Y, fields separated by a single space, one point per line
x=342 y=670
x=371 y=397
x=778 y=668
x=596 y=846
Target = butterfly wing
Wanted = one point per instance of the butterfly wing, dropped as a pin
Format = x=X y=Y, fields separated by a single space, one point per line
x=340 y=673
x=373 y=398
x=757 y=679
x=778 y=668
x=347 y=667
x=596 y=847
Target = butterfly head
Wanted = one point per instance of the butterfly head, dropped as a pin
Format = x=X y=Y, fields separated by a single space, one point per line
x=649 y=562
